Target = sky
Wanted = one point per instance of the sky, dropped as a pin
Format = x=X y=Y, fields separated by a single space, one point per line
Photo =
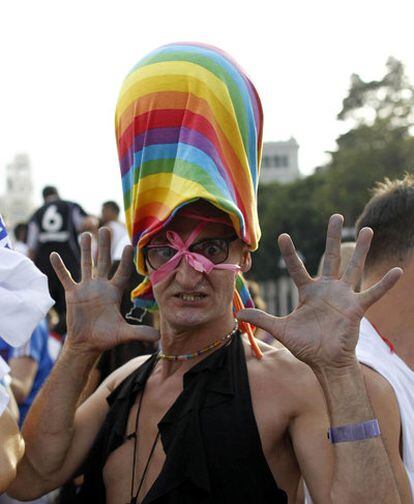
x=62 y=64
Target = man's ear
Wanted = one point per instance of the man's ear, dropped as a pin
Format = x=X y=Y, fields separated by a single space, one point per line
x=246 y=260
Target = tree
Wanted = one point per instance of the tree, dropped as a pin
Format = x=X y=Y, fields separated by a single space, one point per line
x=378 y=144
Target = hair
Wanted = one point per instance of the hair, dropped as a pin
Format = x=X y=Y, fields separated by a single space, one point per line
x=112 y=205
x=19 y=230
x=49 y=191
x=390 y=213
x=256 y=295
x=346 y=251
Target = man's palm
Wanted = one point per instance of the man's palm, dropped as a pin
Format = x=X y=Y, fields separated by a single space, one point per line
x=323 y=329
x=93 y=317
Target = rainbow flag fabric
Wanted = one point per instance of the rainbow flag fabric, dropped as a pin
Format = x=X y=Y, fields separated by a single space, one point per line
x=188 y=126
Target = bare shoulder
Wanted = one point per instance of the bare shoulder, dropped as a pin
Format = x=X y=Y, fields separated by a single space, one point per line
x=115 y=378
x=381 y=394
x=376 y=384
x=280 y=370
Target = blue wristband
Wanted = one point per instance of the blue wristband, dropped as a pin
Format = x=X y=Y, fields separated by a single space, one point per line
x=354 y=432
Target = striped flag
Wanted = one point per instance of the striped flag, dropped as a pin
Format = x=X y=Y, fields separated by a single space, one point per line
x=4 y=237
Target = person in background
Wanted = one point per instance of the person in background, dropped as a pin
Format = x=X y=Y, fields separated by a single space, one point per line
x=347 y=249
x=54 y=227
x=11 y=448
x=24 y=300
x=119 y=235
x=31 y=364
x=20 y=238
x=260 y=304
x=386 y=341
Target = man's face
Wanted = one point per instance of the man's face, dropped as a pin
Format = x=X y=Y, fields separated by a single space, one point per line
x=106 y=214
x=189 y=298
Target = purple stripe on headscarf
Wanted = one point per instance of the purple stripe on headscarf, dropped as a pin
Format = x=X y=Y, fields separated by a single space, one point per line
x=173 y=136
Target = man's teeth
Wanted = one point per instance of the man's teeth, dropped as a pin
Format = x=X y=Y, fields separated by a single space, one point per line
x=191 y=297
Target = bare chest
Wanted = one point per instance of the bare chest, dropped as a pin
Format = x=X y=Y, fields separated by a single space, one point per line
x=272 y=410
x=135 y=465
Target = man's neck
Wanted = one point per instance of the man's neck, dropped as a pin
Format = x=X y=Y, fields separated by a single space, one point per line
x=393 y=317
x=188 y=341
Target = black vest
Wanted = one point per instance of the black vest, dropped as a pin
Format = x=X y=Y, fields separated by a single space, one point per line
x=210 y=437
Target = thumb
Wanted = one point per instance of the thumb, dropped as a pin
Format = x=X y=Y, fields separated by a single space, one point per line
x=138 y=333
x=260 y=319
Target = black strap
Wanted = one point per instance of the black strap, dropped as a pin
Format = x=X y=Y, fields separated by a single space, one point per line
x=134 y=435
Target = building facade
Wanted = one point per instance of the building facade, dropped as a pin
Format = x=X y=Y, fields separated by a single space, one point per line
x=280 y=162
x=16 y=205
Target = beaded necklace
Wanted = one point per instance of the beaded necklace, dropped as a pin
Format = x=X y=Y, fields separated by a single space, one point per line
x=215 y=344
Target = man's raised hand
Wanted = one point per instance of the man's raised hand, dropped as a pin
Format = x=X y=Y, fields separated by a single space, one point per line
x=94 y=320
x=323 y=329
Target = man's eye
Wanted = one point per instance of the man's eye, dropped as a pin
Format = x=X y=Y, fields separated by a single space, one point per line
x=211 y=249
x=163 y=252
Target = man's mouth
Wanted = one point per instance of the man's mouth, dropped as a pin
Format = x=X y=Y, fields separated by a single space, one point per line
x=190 y=297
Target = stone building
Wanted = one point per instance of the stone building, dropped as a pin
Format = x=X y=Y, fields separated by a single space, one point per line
x=280 y=162
x=16 y=205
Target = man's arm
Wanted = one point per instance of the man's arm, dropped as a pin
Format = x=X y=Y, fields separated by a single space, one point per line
x=384 y=402
x=23 y=373
x=11 y=449
x=32 y=239
x=58 y=437
x=332 y=471
x=323 y=331
x=316 y=455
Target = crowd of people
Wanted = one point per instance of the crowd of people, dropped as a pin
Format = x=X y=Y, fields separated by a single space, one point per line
x=189 y=393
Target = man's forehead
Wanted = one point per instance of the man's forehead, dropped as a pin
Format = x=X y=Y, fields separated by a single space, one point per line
x=216 y=222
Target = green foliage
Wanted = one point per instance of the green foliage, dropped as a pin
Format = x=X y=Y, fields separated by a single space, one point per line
x=390 y=99
x=379 y=144
x=294 y=209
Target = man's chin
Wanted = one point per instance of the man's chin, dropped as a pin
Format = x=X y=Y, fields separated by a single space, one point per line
x=184 y=320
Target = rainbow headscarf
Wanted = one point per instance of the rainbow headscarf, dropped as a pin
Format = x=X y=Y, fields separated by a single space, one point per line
x=188 y=126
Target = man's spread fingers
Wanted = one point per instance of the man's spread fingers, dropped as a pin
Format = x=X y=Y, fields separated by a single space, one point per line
x=353 y=271
x=86 y=256
x=61 y=271
x=332 y=257
x=124 y=270
x=261 y=319
x=294 y=264
x=374 y=293
x=104 y=253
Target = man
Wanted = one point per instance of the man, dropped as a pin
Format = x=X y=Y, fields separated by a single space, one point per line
x=55 y=227
x=30 y=365
x=20 y=238
x=386 y=344
x=119 y=235
x=214 y=416
x=11 y=448
x=24 y=300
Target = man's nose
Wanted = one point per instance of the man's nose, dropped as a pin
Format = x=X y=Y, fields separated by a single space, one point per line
x=186 y=275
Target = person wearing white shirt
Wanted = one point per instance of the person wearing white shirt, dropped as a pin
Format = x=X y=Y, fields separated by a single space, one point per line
x=24 y=300
x=119 y=235
x=386 y=342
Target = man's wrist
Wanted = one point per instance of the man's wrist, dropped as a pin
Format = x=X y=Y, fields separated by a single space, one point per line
x=354 y=432
x=79 y=354
x=337 y=371
x=345 y=394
